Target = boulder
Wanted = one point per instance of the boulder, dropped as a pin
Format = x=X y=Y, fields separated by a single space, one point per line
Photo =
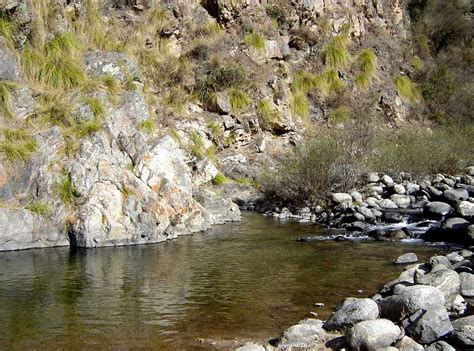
x=467 y=284
x=218 y=210
x=341 y=198
x=251 y=347
x=351 y=312
x=438 y=209
x=388 y=204
x=399 y=189
x=222 y=103
x=387 y=180
x=9 y=64
x=441 y=260
x=406 y=300
x=402 y=201
x=463 y=334
x=440 y=346
x=307 y=333
x=455 y=224
x=455 y=195
x=465 y=209
x=408 y=344
x=445 y=280
x=428 y=325
x=373 y=335
x=407 y=258
x=373 y=177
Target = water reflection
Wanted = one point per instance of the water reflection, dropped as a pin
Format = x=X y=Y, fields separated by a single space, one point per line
x=242 y=280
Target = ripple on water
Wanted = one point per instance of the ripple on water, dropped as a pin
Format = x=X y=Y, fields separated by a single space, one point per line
x=249 y=279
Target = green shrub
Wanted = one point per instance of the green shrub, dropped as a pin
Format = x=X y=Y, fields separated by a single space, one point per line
x=299 y=105
x=67 y=191
x=147 y=126
x=329 y=82
x=335 y=54
x=304 y=82
x=239 y=100
x=256 y=41
x=40 y=208
x=340 y=115
x=367 y=62
x=18 y=146
x=267 y=114
x=407 y=90
x=6 y=89
x=440 y=85
x=220 y=179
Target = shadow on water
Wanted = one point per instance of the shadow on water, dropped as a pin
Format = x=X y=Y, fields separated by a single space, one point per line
x=243 y=280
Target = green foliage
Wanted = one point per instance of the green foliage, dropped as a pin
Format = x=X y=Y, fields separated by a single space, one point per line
x=84 y=129
x=113 y=87
x=147 y=126
x=18 y=146
x=417 y=63
x=440 y=85
x=256 y=41
x=340 y=115
x=220 y=179
x=304 y=82
x=219 y=78
x=239 y=100
x=174 y=134
x=63 y=44
x=335 y=54
x=267 y=114
x=38 y=207
x=329 y=82
x=367 y=62
x=407 y=90
x=420 y=152
x=67 y=191
x=96 y=106
x=299 y=105
x=6 y=29
x=6 y=89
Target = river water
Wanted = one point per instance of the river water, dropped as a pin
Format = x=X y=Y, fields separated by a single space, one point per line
x=244 y=280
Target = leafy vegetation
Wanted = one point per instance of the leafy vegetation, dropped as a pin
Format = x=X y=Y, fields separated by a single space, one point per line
x=67 y=191
x=239 y=100
x=256 y=41
x=220 y=179
x=408 y=90
x=38 y=207
x=335 y=54
x=147 y=126
x=368 y=66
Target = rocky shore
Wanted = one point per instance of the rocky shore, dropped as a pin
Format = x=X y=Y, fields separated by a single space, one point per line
x=428 y=307
x=387 y=207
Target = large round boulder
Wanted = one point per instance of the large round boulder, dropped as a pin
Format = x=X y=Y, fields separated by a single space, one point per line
x=306 y=334
x=438 y=209
x=427 y=326
x=351 y=312
x=463 y=334
x=445 y=280
x=455 y=195
x=373 y=335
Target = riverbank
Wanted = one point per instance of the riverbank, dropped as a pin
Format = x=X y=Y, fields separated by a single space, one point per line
x=428 y=307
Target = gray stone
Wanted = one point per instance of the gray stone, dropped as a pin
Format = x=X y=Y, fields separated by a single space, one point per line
x=406 y=300
x=351 y=312
x=440 y=346
x=388 y=204
x=218 y=210
x=455 y=224
x=367 y=213
x=108 y=63
x=341 y=198
x=9 y=65
x=307 y=333
x=438 y=209
x=251 y=347
x=465 y=209
x=463 y=333
x=441 y=260
x=428 y=325
x=204 y=172
x=412 y=188
x=357 y=197
x=445 y=280
x=408 y=344
x=373 y=177
x=455 y=195
x=467 y=284
x=373 y=334
x=402 y=201
x=387 y=180
x=223 y=105
x=399 y=189
x=407 y=258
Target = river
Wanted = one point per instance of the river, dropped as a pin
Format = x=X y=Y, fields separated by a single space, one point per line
x=247 y=280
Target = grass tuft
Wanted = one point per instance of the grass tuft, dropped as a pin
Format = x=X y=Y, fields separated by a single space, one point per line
x=299 y=105
x=39 y=208
x=6 y=89
x=407 y=90
x=220 y=179
x=239 y=100
x=335 y=54
x=147 y=126
x=67 y=191
x=340 y=115
x=267 y=114
x=256 y=41
x=367 y=61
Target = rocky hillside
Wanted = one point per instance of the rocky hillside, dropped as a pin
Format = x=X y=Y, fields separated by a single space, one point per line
x=135 y=121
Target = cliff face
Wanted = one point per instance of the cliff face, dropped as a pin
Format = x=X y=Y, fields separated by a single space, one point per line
x=120 y=118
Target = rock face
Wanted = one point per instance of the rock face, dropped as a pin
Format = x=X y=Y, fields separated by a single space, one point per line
x=22 y=229
x=352 y=312
x=9 y=66
x=373 y=335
